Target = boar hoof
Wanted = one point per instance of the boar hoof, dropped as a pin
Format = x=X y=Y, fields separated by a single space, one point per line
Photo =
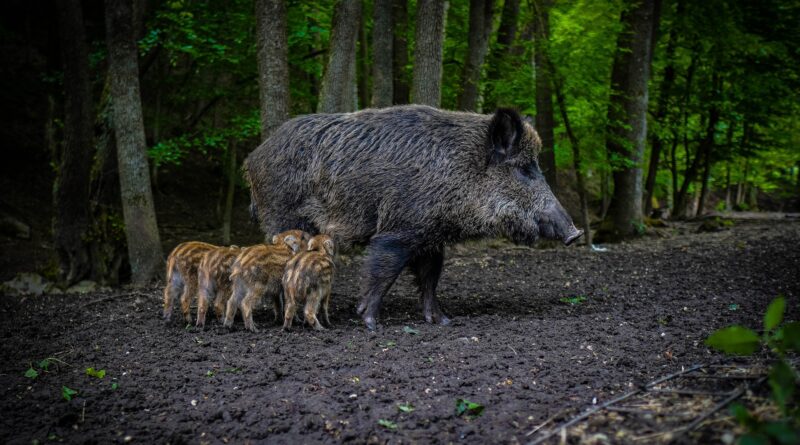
x=371 y=323
x=438 y=318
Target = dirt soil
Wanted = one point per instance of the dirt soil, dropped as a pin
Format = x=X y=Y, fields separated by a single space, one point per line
x=515 y=347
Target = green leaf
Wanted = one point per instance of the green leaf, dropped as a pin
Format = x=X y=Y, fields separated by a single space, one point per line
x=67 y=393
x=210 y=373
x=91 y=372
x=782 y=382
x=410 y=330
x=754 y=439
x=43 y=364
x=741 y=414
x=736 y=340
x=573 y=301
x=114 y=386
x=387 y=424
x=405 y=407
x=471 y=409
x=782 y=432
x=31 y=373
x=791 y=336
x=774 y=315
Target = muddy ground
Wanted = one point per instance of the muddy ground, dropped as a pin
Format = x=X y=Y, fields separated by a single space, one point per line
x=515 y=347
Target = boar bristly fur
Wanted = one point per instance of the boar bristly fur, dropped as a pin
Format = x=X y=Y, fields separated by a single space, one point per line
x=406 y=181
x=257 y=271
x=182 y=265
x=214 y=281
x=307 y=280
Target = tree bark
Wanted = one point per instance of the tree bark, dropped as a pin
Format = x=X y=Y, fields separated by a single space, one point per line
x=400 y=84
x=506 y=33
x=544 y=94
x=71 y=188
x=273 y=64
x=382 y=70
x=227 y=213
x=576 y=156
x=627 y=117
x=426 y=88
x=363 y=66
x=339 y=82
x=141 y=229
x=664 y=94
x=480 y=26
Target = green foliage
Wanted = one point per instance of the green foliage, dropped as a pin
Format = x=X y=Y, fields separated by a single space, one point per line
x=405 y=407
x=470 y=409
x=31 y=373
x=573 y=301
x=410 y=330
x=388 y=424
x=91 y=372
x=68 y=393
x=782 y=377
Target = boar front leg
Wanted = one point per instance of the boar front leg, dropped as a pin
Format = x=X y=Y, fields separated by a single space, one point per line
x=387 y=255
x=427 y=268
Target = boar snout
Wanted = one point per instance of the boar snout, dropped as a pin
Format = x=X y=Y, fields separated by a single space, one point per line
x=557 y=224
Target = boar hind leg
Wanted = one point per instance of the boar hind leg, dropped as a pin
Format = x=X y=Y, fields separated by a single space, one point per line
x=387 y=255
x=239 y=289
x=220 y=302
x=205 y=294
x=427 y=268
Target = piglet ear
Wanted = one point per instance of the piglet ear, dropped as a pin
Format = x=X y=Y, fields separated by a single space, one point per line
x=312 y=245
x=329 y=246
x=505 y=131
x=275 y=239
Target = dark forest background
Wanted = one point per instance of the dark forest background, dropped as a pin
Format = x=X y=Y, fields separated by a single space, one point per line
x=124 y=121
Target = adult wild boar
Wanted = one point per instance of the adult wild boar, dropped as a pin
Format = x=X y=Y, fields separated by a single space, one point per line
x=406 y=181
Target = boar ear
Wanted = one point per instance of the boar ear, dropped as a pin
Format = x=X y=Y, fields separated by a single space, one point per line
x=275 y=239
x=292 y=242
x=505 y=131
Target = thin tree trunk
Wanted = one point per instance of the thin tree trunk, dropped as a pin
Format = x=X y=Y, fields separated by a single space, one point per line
x=576 y=155
x=728 y=186
x=382 y=69
x=338 y=84
x=480 y=22
x=674 y=169
x=704 y=187
x=506 y=34
x=363 y=65
x=273 y=64
x=426 y=87
x=627 y=116
x=661 y=112
x=605 y=193
x=71 y=188
x=545 y=122
x=227 y=213
x=141 y=229
x=400 y=84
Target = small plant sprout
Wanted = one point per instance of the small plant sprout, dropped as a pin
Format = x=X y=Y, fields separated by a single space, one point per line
x=388 y=424
x=470 y=409
x=573 y=301
x=91 y=372
x=31 y=373
x=67 y=393
x=388 y=344
x=210 y=373
x=114 y=386
x=405 y=407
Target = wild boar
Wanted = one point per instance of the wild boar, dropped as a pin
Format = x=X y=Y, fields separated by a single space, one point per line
x=214 y=281
x=307 y=280
x=257 y=271
x=406 y=181
x=182 y=266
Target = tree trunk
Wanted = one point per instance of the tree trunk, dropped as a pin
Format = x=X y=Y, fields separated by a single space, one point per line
x=382 y=54
x=656 y=142
x=704 y=187
x=627 y=117
x=426 y=87
x=505 y=38
x=227 y=213
x=480 y=25
x=363 y=65
x=71 y=188
x=703 y=152
x=400 y=86
x=273 y=64
x=576 y=156
x=728 y=186
x=544 y=95
x=339 y=82
x=141 y=229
